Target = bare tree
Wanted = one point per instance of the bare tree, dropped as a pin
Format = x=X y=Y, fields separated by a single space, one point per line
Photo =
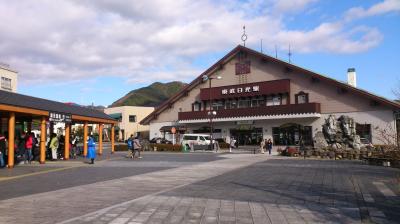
x=396 y=91
x=387 y=136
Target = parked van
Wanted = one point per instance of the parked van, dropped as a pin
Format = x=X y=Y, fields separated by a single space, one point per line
x=196 y=141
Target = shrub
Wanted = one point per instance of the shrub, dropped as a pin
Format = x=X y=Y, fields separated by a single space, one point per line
x=224 y=145
x=121 y=147
x=166 y=147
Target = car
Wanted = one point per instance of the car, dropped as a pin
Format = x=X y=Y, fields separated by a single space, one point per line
x=196 y=141
x=160 y=141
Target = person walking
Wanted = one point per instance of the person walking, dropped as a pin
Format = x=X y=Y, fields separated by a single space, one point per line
x=91 y=149
x=28 y=147
x=53 y=146
x=232 y=144
x=130 y=147
x=262 y=146
x=269 y=146
x=137 y=147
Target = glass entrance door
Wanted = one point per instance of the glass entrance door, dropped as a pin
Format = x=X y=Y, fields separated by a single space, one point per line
x=251 y=136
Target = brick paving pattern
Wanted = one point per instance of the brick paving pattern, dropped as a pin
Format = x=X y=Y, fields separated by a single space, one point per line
x=238 y=189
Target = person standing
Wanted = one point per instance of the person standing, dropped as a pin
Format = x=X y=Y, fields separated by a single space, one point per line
x=269 y=146
x=28 y=147
x=262 y=146
x=137 y=147
x=2 y=150
x=232 y=144
x=54 y=146
x=91 y=149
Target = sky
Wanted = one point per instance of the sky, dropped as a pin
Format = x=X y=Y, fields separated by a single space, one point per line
x=95 y=52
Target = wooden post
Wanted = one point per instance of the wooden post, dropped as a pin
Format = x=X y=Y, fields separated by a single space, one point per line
x=112 y=138
x=85 y=136
x=11 y=134
x=100 y=139
x=43 y=140
x=66 y=143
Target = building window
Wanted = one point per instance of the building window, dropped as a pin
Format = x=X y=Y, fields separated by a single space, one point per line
x=364 y=131
x=301 y=97
x=230 y=104
x=244 y=103
x=258 y=102
x=290 y=134
x=274 y=100
x=5 y=83
x=197 y=106
x=132 y=118
x=218 y=105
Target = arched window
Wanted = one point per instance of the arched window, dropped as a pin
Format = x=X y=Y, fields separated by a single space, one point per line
x=301 y=97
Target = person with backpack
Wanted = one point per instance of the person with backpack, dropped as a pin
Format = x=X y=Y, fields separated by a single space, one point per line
x=130 y=146
x=54 y=146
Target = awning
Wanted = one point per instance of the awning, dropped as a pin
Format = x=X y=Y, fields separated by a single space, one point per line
x=116 y=116
x=266 y=117
x=168 y=128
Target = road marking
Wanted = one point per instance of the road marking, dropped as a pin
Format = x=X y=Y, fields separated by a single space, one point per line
x=37 y=173
x=384 y=189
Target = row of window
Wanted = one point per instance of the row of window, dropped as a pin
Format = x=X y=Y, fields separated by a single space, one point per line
x=258 y=101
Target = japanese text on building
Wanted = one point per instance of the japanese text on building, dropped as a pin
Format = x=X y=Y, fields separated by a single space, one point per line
x=247 y=89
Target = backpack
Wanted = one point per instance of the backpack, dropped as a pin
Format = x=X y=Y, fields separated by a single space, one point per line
x=129 y=142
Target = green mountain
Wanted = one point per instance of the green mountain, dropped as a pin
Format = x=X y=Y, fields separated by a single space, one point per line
x=151 y=96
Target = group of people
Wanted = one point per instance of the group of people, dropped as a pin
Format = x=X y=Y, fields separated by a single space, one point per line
x=25 y=148
x=266 y=144
x=134 y=147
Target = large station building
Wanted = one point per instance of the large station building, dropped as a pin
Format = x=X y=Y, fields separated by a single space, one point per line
x=260 y=96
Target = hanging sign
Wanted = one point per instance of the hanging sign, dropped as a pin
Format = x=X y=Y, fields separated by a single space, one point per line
x=60 y=117
x=244 y=122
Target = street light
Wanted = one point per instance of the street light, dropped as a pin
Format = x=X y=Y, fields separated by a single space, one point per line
x=211 y=113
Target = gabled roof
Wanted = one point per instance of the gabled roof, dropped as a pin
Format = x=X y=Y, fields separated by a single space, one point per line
x=240 y=48
x=20 y=100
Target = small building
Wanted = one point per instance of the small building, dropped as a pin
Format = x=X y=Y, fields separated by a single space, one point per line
x=9 y=78
x=262 y=97
x=128 y=121
x=22 y=112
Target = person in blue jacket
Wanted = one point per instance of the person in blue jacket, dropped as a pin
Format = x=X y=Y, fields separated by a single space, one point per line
x=91 y=154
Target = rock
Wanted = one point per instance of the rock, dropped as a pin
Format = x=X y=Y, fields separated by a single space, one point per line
x=320 y=141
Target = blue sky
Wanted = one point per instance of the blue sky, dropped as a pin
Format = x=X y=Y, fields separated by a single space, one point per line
x=97 y=51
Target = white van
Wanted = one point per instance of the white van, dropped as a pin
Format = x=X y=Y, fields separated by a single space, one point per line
x=196 y=141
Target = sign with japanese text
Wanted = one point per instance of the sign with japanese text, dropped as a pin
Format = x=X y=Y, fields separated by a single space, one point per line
x=246 y=89
x=60 y=117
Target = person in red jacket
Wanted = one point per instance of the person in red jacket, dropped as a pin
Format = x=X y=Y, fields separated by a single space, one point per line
x=28 y=147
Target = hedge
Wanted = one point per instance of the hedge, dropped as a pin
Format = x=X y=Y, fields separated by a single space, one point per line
x=166 y=147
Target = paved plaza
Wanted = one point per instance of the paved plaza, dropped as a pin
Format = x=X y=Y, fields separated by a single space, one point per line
x=201 y=188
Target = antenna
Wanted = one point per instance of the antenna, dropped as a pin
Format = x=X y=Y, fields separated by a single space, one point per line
x=290 y=54
x=261 y=46
x=244 y=36
x=276 y=52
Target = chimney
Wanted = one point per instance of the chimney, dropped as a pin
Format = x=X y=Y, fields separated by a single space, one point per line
x=351 y=77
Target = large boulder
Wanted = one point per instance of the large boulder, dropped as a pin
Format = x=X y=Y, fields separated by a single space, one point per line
x=319 y=140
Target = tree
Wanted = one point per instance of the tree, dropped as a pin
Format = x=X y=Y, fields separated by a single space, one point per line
x=396 y=92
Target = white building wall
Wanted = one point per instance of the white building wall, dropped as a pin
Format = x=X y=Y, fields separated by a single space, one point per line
x=379 y=119
x=6 y=72
x=155 y=130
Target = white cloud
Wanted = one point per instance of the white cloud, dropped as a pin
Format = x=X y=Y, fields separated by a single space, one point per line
x=380 y=8
x=146 y=41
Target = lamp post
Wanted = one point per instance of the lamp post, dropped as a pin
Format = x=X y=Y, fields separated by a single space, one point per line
x=211 y=113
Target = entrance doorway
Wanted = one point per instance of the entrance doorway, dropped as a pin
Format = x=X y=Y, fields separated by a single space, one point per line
x=247 y=136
